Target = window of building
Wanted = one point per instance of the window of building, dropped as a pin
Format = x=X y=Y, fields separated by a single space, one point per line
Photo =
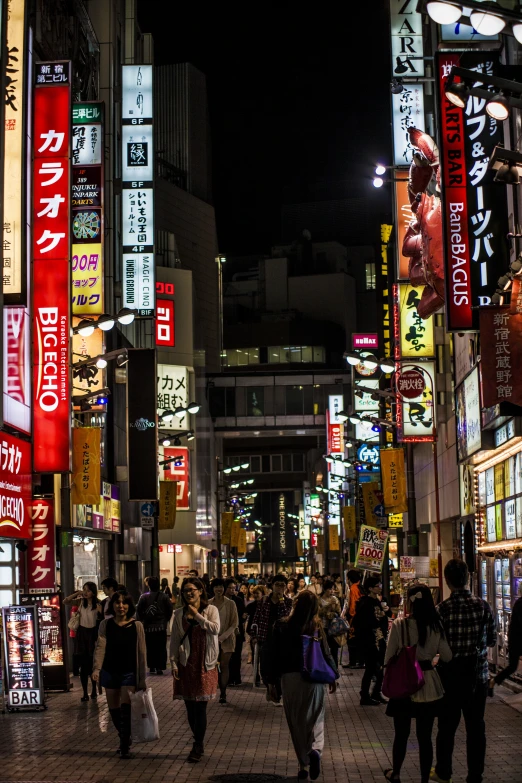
x=370 y=277
x=319 y=354
x=294 y=354
x=222 y=401
x=276 y=463
x=294 y=400
x=255 y=401
x=240 y=357
x=287 y=463
x=306 y=353
x=298 y=463
x=255 y=464
x=265 y=463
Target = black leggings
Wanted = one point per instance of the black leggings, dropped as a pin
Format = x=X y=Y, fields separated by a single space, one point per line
x=514 y=655
x=85 y=665
x=197 y=718
x=424 y=728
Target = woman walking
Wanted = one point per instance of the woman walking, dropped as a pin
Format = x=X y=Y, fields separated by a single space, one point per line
x=154 y=610
x=424 y=629
x=291 y=590
x=194 y=652
x=228 y=621
x=303 y=701
x=371 y=627
x=329 y=609
x=90 y=611
x=259 y=593
x=165 y=588
x=119 y=664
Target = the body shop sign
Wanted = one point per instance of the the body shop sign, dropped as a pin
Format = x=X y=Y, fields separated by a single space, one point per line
x=15 y=487
x=51 y=264
x=476 y=216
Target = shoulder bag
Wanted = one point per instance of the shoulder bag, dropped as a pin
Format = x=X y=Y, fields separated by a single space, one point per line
x=403 y=675
x=74 y=620
x=318 y=667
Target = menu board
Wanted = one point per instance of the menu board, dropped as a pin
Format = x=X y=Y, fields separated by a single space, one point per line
x=22 y=657
x=51 y=623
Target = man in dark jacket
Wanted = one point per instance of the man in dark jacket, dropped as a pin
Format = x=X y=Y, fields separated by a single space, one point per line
x=272 y=608
x=371 y=627
x=154 y=610
x=234 y=666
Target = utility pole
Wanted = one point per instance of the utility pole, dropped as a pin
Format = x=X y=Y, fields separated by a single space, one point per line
x=413 y=533
x=218 y=525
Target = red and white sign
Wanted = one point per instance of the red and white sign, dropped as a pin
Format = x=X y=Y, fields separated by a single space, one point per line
x=51 y=269
x=41 y=558
x=179 y=473
x=365 y=341
x=17 y=368
x=165 y=326
x=15 y=487
x=410 y=384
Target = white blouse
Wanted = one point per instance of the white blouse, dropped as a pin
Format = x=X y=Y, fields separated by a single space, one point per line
x=436 y=644
x=88 y=616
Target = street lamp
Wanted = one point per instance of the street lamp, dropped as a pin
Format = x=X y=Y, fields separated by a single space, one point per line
x=105 y=322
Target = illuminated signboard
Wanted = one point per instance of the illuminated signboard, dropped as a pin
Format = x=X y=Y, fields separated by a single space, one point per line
x=15 y=487
x=179 y=470
x=23 y=675
x=14 y=276
x=403 y=216
x=41 y=557
x=51 y=263
x=469 y=424
x=87 y=208
x=138 y=188
x=407 y=112
x=17 y=368
x=416 y=417
x=406 y=39
x=417 y=334
x=370 y=341
x=173 y=389
x=335 y=445
x=165 y=324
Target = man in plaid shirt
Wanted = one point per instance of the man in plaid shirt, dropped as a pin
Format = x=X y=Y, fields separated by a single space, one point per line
x=269 y=610
x=470 y=629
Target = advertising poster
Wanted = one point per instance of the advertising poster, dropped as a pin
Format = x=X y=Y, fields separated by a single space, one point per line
x=178 y=470
x=334 y=538
x=393 y=474
x=22 y=657
x=407 y=567
x=371 y=549
x=167 y=505
x=417 y=334
x=372 y=498
x=86 y=474
x=53 y=633
x=41 y=553
x=227 y=517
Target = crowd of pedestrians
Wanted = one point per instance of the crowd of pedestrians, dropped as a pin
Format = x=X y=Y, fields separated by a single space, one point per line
x=297 y=631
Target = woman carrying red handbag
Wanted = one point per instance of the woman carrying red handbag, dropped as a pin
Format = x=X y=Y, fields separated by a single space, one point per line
x=423 y=631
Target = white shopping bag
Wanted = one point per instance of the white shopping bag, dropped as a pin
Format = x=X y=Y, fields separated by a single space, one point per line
x=144 y=721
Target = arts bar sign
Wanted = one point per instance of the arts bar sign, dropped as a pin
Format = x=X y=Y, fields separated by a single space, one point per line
x=476 y=214
x=138 y=189
x=51 y=277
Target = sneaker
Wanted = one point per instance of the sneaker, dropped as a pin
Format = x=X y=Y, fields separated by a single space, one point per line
x=222 y=699
x=434 y=777
x=315 y=764
x=159 y=671
x=367 y=701
x=302 y=774
x=379 y=697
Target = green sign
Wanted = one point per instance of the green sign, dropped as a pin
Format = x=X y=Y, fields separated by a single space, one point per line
x=84 y=113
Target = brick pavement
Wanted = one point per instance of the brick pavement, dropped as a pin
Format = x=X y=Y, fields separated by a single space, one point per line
x=72 y=741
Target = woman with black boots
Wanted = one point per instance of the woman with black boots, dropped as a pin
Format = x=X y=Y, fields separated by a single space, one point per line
x=89 y=610
x=371 y=626
x=120 y=664
x=194 y=652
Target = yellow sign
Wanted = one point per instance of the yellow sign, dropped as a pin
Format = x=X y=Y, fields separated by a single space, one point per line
x=167 y=505
x=395 y=520
x=87 y=280
x=334 y=538
x=86 y=466
x=14 y=160
x=320 y=544
x=434 y=567
x=227 y=517
x=371 y=501
x=393 y=476
x=234 y=532
x=499 y=481
x=417 y=335
x=350 y=526
x=241 y=545
x=299 y=545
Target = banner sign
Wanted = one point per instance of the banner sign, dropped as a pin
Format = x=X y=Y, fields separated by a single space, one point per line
x=86 y=476
x=138 y=188
x=476 y=212
x=500 y=354
x=372 y=498
x=372 y=546
x=51 y=278
x=180 y=473
x=165 y=324
x=407 y=47
x=23 y=673
x=173 y=392
x=167 y=505
x=407 y=112
x=416 y=416
x=87 y=208
x=242 y=542
x=234 y=533
x=334 y=538
x=17 y=368
x=417 y=334
x=393 y=474
x=15 y=487
x=14 y=277
x=335 y=445
x=227 y=517
x=368 y=341
x=41 y=554
x=142 y=440
x=350 y=526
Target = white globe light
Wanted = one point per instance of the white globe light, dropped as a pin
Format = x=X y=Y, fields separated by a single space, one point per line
x=517 y=32
x=380 y=170
x=378 y=182
x=101 y=364
x=486 y=23
x=498 y=108
x=444 y=13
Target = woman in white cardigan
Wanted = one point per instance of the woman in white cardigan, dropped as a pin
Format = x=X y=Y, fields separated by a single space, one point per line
x=229 y=621
x=424 y=629
x=194 y=652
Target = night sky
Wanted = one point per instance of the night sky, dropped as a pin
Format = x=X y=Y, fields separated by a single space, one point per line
x=296 y=99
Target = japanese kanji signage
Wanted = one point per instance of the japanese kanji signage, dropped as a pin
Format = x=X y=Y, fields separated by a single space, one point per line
x=138 y=188
x=417 y=335
x=15 y=487
x=335 y=445
x=372 y=546
x=173 y=388
x=51 y=276
x=89 y=346
x=167 y=505
x=468 y=414
x=179 y=470
x=227 y=517
x=234 y=533
x=476 y=214
x=17 y=368
x=87 y=209
x=242 y=542
x=41 y=557
x=393 y=475
x=372 y=498
x=333 y=538
x=407 y=112
x=350 y=526
x=23 y=674
x=142 y=435
x=86 y=475
x=501 y=355
x=416 y=416
x=165 y=324
x=406 y=38
x=14 y=276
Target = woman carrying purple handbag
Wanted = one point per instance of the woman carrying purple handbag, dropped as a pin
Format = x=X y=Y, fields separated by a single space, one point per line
x=411 y=680
x=301 y=657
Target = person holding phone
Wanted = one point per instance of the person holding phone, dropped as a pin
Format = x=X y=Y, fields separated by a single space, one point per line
x=90 y=611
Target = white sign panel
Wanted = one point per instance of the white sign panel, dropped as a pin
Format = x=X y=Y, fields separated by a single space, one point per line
x=86 y=146
x=137 y=96
x=138 y=217
x=138 y=282
x=173 y=390
x=137 y=163
x=365 y=403
x=406 y=38
x=407 y=112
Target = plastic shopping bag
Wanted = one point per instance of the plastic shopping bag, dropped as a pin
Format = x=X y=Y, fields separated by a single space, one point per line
x=144 y=721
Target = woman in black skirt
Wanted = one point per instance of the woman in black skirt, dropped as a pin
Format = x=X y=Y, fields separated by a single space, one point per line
x=89 y=610
x=422 y=628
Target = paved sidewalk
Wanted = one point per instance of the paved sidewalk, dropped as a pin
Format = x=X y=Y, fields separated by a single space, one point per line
x=72 y=741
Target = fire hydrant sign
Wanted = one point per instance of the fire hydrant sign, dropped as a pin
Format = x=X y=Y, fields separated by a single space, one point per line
x=372 y=546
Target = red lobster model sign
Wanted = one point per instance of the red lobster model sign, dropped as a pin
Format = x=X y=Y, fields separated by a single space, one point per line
x=423 y=241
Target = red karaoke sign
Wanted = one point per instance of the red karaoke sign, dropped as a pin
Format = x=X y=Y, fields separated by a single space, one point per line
x=15 y=487
x=51 y=268
x=179 y=473
x=41 y=558
x=165 y=327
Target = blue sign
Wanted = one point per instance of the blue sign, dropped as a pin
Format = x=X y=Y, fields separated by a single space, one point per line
x=147 y=510
x=369 y=453
x=379 y=511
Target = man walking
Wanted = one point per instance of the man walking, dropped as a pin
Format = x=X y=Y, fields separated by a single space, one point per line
x=470 y=630
x=234 y=666
x=354 y=593
x=272 y=608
